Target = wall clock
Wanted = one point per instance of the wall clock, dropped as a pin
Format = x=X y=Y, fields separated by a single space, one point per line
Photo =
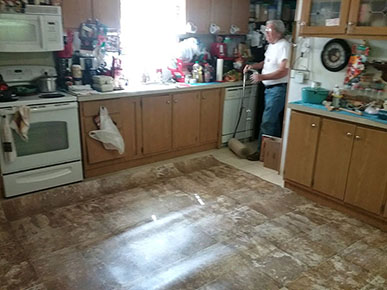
x=335 y=55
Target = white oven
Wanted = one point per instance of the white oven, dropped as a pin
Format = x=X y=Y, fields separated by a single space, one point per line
x=52 y=155
x=38 y=29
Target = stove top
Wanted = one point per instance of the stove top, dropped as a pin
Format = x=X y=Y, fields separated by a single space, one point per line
x=24 y=78
x=40 y=99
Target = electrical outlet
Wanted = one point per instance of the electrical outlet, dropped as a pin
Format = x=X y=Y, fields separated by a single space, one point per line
x=305 y=73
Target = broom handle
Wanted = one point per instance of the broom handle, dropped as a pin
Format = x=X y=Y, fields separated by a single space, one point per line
x=242 y=107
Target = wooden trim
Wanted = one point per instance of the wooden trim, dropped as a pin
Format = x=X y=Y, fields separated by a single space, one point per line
x=220 y=123
x=91 y=172
x=375 y=220
x=345 y=36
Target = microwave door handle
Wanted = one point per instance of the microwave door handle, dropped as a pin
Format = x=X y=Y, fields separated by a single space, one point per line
x=43 y=39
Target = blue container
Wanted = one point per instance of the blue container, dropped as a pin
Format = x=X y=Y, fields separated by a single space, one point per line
x=314 y=95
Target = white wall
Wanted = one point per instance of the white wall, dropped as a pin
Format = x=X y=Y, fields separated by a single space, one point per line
x=311 y=61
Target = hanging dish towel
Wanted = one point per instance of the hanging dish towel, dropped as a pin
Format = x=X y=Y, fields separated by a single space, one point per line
x=21 y=122
x=7 y=140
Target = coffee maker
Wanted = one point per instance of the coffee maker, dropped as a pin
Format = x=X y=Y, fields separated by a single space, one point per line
x=89 y=68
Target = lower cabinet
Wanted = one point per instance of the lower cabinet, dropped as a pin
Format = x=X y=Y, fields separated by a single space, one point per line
x=185 y=116
x=301 y=148
x=342 y=160
x=210 y=115
x=157 y=124
x=367 y=175
x=124 y=113
x=153 y=128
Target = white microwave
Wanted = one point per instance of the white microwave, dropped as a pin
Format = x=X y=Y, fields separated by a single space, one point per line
x=38 y=29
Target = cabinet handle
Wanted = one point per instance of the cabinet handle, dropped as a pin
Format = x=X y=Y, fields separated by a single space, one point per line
x=175 y=101
x=349 y=134
x=314 y=125
x=248 y=111
x=248 y=119
x=168 y=102
x=357 y=137
x=350 y=23
x=303 y=23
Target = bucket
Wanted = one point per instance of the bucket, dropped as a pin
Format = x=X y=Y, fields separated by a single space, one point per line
x=314 y=95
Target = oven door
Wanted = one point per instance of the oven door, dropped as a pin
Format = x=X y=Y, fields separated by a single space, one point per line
x=53 y=138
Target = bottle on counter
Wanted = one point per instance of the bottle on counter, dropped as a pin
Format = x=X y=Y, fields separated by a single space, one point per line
x=197 y=72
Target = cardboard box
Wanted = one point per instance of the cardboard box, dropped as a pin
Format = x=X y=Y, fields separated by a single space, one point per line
x=272 y=152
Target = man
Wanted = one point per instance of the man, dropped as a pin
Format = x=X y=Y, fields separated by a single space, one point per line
x=275 y=78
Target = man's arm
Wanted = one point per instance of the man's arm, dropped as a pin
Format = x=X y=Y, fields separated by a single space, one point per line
x=281 y=72
x=257 y=65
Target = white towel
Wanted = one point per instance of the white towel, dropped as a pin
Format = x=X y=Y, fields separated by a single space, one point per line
x=7 y=140
x=21 y=122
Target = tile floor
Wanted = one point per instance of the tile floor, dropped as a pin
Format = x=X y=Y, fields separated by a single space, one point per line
x=207 y=231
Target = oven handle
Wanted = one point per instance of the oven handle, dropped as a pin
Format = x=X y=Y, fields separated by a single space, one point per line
x=41 y=108
x=53 y=107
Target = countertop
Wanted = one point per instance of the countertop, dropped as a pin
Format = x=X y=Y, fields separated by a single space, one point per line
x=152 y=89
x=366 y=119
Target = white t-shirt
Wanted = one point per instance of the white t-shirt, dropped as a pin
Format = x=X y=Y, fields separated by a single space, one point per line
x=274 y=55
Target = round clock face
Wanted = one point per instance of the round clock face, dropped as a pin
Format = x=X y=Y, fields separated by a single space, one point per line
x=335 y=55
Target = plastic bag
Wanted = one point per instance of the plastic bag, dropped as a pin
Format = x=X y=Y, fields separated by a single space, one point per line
x=108 y=133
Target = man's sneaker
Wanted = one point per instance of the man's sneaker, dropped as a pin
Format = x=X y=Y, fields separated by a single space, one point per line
x=254 y=157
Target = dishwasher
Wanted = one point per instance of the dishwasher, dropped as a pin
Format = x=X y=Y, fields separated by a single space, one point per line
x=232 y=102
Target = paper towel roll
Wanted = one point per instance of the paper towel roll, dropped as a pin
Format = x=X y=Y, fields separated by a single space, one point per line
x=219 y=70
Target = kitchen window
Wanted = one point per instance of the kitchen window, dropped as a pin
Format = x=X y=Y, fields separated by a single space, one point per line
x=149 y=32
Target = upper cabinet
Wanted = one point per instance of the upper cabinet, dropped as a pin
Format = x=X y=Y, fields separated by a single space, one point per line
x=368 y=17
x=346 y=18
x=223 y=16
x=106 y=11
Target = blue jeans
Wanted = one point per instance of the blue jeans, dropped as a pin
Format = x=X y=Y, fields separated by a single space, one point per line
x=272 y=114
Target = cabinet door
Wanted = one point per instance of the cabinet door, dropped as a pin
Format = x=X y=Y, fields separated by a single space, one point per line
x=107 y=12
x=333 y=157
x=301 y=147
x=157 y=124
x=186 y=112
x=367 y=177
x=209 y=116
x=221 y=15
x=368 y=17
x=240 y=15
x=75 y=12
x=198 y=13
x=118 y=112
x=324 y=16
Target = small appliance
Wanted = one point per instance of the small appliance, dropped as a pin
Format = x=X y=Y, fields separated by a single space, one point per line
x=38 y=29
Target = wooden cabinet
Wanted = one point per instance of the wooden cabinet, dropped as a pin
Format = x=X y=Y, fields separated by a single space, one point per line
x=367 y=175
x=301 y=148
x=209 y=115
x=75 y=12
x=346 y=18
x=240 y=15
x=107 y=12
x=185 y=116
x=333 y=157
x=200 y=14
x=347 y=161
x=124 y=113
x=221 y=15
x=153 y=127
x=157 y=124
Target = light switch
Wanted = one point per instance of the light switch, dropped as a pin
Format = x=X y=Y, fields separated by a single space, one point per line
x=299 y=77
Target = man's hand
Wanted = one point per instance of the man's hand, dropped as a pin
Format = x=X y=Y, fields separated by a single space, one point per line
x=256 y=78
x=247 y=68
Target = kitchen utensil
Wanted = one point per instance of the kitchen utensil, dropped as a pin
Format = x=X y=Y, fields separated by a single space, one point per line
x=351 y=111
x=47 y=84
x=314 y=95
